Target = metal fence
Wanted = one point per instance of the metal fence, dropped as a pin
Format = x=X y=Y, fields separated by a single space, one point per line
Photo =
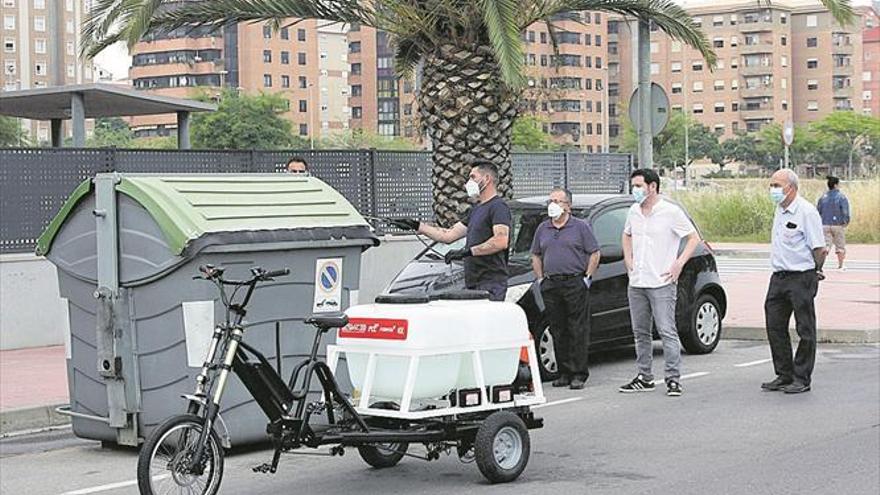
x=35 y=182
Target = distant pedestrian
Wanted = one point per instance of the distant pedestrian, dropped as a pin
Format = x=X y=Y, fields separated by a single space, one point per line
x=297 y=165
x=651 y=239
x=797 y=252
x=565 y=254
x=834 y=210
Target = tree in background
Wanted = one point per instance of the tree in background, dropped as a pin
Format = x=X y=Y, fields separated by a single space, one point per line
x=770 y=148
x=742 y=148
x=110 y=132
x=156 y=143
x=849 y=133
x=528 y=135
x=11 y=133
x=245 y=122
x=359 y=139
x=669 y=144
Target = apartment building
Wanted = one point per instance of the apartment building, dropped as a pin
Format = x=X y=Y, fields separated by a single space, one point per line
x=302 y=61
x=870 y=61
x=40 y=49
x=786 y=60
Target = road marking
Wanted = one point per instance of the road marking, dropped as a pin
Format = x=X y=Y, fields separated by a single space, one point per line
x=558 y=402
x=111 y=486
x=683 y=377
x=753 y=363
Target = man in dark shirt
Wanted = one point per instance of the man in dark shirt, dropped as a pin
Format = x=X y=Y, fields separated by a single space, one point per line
x=487 y=228
x=565 y=254
x=834 y=209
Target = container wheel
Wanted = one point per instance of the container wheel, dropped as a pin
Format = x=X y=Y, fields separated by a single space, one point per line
x=383 y=455
x=164 y=458
x=502 y=447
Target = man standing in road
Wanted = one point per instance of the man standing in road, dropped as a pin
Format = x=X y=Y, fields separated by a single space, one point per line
x=651 y=238
x=834 y=209
x=797 y=252
x=565 y=254
x=487 y=228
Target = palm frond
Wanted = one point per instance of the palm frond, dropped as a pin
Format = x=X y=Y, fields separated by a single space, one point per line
x=500 y=18
x=841 y=10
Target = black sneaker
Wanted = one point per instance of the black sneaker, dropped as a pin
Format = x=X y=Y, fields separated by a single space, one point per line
x=796 y=388
x=562 y=381
x=578 y=382
x=638 y=384
x=673 y=388
x=778 y=383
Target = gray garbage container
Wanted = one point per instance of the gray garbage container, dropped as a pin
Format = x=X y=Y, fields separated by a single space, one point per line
x=127 y=246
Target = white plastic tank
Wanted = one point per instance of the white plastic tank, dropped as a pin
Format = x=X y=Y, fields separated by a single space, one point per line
x=444 y=333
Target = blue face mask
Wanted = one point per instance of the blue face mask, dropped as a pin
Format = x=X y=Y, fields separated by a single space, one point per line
x=776 y=195
x=639 y=194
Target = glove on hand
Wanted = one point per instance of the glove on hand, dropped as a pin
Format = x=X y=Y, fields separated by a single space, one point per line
x=457 y=254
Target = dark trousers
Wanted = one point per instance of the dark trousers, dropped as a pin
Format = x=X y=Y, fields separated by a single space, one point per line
x=567 y=306
x=792 y=292
x=497 y=290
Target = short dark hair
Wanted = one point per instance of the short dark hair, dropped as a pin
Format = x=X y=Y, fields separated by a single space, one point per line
x=833 y=182
x=649 y=174
x=564 y=190
x=298 y=159
x=486 y=167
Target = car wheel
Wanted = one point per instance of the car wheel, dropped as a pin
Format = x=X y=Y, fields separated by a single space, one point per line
x=704 y=330
x=546 y=354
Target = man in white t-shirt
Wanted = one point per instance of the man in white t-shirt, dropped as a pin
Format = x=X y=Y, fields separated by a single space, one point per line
x=651 y=239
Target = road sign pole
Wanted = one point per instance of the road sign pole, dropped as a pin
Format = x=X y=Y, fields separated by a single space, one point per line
x=646 y=150
x=786 y=163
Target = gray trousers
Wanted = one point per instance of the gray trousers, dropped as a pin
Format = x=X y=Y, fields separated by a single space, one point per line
x=647 y=306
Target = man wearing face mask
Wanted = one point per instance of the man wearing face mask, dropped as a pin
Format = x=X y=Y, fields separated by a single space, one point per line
x=487 y=228
x=565 y=254
x=651 y=238
x=797 y=252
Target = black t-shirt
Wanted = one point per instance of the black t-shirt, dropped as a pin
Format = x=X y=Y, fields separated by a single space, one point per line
x=479 y=220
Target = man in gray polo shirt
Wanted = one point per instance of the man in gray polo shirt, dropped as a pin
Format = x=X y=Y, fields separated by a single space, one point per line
x=565 y=254
x=797 y=252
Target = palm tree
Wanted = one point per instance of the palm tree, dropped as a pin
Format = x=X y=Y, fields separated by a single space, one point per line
x=469 y=53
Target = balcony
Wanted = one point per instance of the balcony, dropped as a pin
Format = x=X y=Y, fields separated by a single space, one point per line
x=843 y=92
x=764 y=47
x=755 y=92
x=843 y=70
x=755 y=27
x=842 y=49
x=763 y=113
x=755 y=70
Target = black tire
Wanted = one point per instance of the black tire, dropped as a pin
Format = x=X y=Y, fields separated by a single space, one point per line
x=543 y=340
x=703 y=326
x=505 y=428
x=165 y=443
x=384 y=456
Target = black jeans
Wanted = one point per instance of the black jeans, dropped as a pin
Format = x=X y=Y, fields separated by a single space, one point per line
x=792 y=292
x=497 y=290
x=567 y=304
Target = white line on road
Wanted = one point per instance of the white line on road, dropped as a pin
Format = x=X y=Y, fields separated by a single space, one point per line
x=558 y=402
x=752 y=363
x=111 y=486
x=683 y=377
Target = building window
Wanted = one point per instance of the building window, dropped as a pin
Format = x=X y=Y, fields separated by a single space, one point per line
x=357 y=90
x=267 y=56
x=598 y=85
x=698 y=108
x=733 y=19
x=304 y=129
x=598 y=39
x=655 y=69
x=697 y=65
x=783 y=40
x=718 y=20
x=719 y=108
x=407 y=109
x=719 y=85
x=598 y=107
x=784 y=105
x=300 y=34
x=530 y=59
x=354 y=47
x=783 y=18
x=267 y=32
x=675 y=46
x=41 y=69
x=588 y=39
x=812 y=63
x=784 y=61
x=543 y=37
x=543 y=60
x=588 y=83
x=588 y=62
x=356 y=69
x=40 y=45
x=698 y=86
x=301 y=58
x=71 y=49
x=598 y=62
x=588 y=129
x=719 y=64
x=813 y=106
x=734 y=84
x=718 y=43
x=597 y=18
x=9 y=3
x=267 y=80
x=9 y=68
x=356 y=112
x=285 y=33
x=812 y=42
x=407 y=87
x=39 y=23
x=9 y=45
x=285 y=58
x=285 y=81
x=655 y=47
x=676 y=67
x=40 y=4
x=303 y=82
x=812 y=21
x=303 y=106
x=676 y=88
x=530 y=36
x=9 y=22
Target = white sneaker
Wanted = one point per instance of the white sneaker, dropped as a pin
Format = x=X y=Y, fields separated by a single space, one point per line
x=842 y=268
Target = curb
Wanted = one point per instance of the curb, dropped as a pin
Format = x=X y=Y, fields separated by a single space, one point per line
x=824 y=337
x=742 y=253
x=31 y=418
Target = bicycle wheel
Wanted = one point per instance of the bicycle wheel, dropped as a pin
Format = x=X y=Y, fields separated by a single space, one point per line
x=164 y=458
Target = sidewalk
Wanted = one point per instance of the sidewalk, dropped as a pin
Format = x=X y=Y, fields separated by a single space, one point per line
x=34 y=381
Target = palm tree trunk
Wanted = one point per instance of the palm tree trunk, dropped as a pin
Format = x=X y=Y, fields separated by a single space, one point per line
x=467 y=112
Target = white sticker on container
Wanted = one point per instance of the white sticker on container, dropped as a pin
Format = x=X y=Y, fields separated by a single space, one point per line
x=65 y=327
x=328 y=285
x=198 y=327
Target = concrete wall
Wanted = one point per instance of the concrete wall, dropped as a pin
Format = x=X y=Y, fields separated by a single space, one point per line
x=32 y=313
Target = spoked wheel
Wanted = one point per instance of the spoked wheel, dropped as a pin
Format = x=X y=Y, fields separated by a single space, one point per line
x=546 y=354
x=164 y=460
x=502 y=447
x=383 y=455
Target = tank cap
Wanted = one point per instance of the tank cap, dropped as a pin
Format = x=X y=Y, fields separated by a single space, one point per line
x=460 y=295
x=402 y=299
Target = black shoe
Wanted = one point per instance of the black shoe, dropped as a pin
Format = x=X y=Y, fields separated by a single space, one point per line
x=562 y=381
x=796 y=388
x=578 y=382
x=777 y=384
x=673 y=388
x=638 y=384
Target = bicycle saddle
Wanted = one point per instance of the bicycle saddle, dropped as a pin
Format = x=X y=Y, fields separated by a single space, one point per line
x=328 y=321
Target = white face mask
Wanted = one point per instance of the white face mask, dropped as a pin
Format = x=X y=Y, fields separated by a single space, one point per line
x=554 y=211
x=472 y=188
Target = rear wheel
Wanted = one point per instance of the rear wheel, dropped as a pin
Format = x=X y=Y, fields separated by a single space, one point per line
x=704 y=326
x=502 y=447
x=164 y=460
x=383 y=455
x=546 y=354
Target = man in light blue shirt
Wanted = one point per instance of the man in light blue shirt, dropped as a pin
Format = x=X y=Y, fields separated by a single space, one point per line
x=797 y=253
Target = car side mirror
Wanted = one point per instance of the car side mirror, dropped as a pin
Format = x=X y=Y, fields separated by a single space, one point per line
x=611 y=253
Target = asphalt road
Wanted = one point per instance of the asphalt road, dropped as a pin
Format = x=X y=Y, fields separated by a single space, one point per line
x=723 y=436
